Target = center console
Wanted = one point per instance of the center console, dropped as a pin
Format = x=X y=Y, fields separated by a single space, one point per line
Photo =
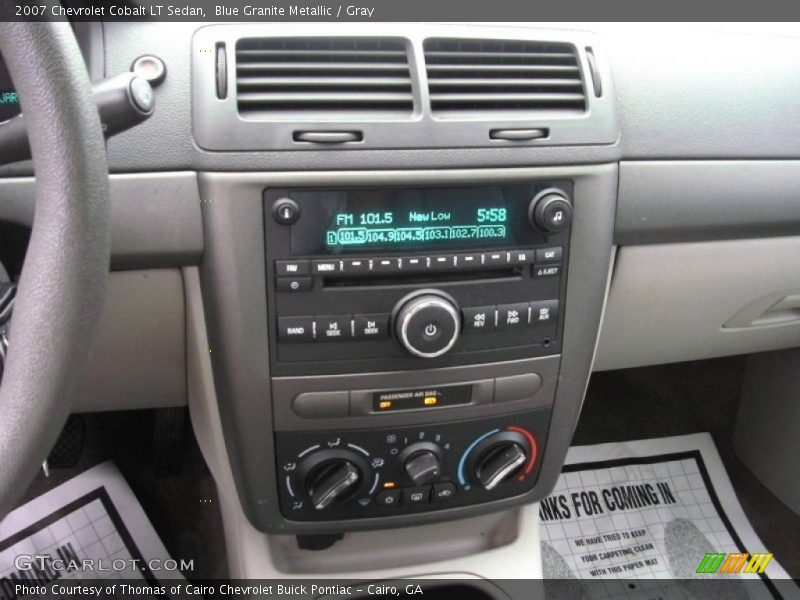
x=415 y=335
x=392 y=349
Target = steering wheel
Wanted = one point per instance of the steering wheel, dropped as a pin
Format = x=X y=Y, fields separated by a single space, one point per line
x=62 y=285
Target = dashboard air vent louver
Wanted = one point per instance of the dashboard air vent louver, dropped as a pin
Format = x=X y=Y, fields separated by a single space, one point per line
x=503 y=75
x=322 y=77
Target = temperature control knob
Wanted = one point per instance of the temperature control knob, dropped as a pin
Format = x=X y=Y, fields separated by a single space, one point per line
x=427 y=324
x=330 y=477
x=422 y=463
x=550 y=211
x=500 y=458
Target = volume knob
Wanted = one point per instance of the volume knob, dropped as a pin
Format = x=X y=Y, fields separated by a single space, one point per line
x=427 y=325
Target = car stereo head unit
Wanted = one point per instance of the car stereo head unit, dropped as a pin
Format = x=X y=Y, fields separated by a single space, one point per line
x=404 y=278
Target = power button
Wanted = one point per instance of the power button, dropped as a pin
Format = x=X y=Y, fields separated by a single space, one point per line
x=428 y=325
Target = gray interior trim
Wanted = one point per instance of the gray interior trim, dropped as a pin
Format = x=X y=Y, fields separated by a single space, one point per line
x=155 y=217
x=139 y=357
x=233 y=282
x=678 y=201
x=689 y=93
x=670 y=302
x=219 y=126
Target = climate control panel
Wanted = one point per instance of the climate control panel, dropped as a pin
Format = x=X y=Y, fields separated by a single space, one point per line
x=327 y=476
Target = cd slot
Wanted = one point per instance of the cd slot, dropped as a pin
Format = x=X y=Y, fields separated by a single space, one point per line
x=435 y=277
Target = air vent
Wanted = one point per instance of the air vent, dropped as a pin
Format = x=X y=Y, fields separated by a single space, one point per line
x=501 y=75
x=322 y=77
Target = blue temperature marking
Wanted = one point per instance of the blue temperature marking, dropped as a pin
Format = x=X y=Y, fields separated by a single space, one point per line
x=461 y=479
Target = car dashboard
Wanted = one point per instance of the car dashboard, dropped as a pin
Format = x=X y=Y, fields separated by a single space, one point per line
x=380 y=262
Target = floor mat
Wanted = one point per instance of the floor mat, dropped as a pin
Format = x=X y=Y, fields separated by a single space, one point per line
x=659 y=512
x=90 y=527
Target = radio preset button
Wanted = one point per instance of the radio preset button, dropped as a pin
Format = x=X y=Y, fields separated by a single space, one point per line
x=548 y=256
x=333 y=329
x=371 y=327
x=415 y=263
x=512 y=316
x=468 y=261
x=478 y=319
x=386 y=265
x=291 y=268
x=294 y=284
x=544 y=313
x=355 y=265
x=295 y=329
x=324 y=267
x=443 y=261
x=495 y=259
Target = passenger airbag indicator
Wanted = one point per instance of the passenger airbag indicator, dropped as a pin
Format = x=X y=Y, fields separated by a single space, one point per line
x=421 y=398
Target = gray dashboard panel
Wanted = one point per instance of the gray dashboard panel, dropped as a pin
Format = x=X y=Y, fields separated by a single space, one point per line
x=684 y=93
x=676 y=201
x=139 y=357
x=155 y=217
x=677 y=302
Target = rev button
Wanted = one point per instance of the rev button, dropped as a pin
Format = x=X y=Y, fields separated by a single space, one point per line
x=478 y=319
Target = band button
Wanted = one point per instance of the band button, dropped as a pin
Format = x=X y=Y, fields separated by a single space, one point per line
x=295 y=329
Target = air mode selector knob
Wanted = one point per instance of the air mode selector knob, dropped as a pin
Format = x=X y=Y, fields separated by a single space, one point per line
x=332 y=481
x=550 y=211
x=427 y=325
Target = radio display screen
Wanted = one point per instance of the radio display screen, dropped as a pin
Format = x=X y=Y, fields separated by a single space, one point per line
x=418 y=219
